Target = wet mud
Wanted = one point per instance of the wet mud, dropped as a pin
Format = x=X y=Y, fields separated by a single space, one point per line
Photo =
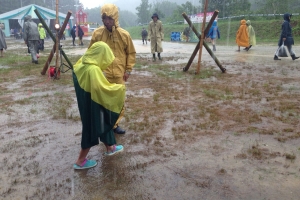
x=233 y=135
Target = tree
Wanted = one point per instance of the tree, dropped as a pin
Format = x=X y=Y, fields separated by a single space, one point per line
x=187 y=8
x=127 y=18
x=143 y=12
x=277 y=7
x=228 y=8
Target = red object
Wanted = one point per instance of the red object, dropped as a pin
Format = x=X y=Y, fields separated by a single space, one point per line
x=52 y=72
x=81 y=20
x=81 y=17
x=37 y=56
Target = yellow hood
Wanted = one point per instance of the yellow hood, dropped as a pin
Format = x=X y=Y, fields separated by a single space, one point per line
x=112 y=11
x=88 y=71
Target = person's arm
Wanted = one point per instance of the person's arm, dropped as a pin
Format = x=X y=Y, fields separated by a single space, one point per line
x=284 y=30
x=162 y=31
x=149 y=31
x=130 y=58
x=25 y=33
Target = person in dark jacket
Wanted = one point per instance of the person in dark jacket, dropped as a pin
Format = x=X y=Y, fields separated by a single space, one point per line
x=144 y=34
x=80 y=34
x=187 y=33
x=286 y=37
x=73 y=34
x=31 y=37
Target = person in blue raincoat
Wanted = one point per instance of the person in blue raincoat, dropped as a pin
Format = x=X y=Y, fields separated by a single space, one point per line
x=286 y=37
x=213 y=34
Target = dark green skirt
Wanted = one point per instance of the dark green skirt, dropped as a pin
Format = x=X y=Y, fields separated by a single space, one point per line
x=97 y=122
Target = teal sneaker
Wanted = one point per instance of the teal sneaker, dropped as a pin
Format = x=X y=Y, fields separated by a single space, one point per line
x=117 y=149
x=86 y=164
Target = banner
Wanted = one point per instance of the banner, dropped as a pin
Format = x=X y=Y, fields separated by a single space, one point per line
x=198 y=18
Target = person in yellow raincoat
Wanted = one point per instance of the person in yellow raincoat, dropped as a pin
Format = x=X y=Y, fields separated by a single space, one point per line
x=251 y=34
x=242 y=37
x=156 y=36
x=42 y=33
x=99 y=102
x=121 y=44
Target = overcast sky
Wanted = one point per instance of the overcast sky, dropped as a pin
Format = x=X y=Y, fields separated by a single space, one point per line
x=94 y=3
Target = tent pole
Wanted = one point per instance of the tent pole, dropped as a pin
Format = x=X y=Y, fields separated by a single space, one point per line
x=57 y=39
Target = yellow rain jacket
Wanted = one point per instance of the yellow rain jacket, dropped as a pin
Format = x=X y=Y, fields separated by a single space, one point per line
x=242 y=37
x=119 y=41
x=156 y=35
x=42 y=31
x=91 y=79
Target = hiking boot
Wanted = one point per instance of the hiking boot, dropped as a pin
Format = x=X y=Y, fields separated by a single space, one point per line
x=276 y=58
x=119 y=130
x=214 y=48
x=294 y=57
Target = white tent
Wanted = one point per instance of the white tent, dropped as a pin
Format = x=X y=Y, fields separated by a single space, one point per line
x=20 y=13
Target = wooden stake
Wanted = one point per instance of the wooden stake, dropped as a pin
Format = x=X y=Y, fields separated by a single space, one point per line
x=202 y=37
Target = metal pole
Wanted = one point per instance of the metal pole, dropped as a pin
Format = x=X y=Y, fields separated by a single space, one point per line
x=202 y=37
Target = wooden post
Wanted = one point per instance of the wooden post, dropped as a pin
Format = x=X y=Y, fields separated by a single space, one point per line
x=204 y=43
x=57 y=39
x=61 y=31
x=202 y=37
x=186 y=68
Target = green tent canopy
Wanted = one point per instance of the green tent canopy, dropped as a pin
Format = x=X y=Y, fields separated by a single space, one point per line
x=15 y=19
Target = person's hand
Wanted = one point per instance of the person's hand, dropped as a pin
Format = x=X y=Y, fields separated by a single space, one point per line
x=283 y=39
x=126 y=76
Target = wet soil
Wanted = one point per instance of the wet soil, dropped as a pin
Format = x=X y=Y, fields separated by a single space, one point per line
x=233 y=135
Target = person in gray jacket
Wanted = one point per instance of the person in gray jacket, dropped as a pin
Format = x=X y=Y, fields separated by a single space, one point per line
x=31 y=37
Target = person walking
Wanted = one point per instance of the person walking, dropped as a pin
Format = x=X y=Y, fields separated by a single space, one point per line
x=144 y=35
x=99 y=102
x=286 y=37
x=213 y=34
x=42 y=33
x=156 y=36
x=31 y=37
x=2 y=42
x=251 y=34
x=187 y=33
x=73 y=34
x=121 y=44
x=80 y=34
x=242 y=37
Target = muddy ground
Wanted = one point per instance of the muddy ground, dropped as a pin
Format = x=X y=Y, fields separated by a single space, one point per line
x=233 y=135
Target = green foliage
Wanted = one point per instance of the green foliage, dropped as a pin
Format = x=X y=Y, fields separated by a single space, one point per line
x=229 y=7
x=143 y=12
x=278 y=7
